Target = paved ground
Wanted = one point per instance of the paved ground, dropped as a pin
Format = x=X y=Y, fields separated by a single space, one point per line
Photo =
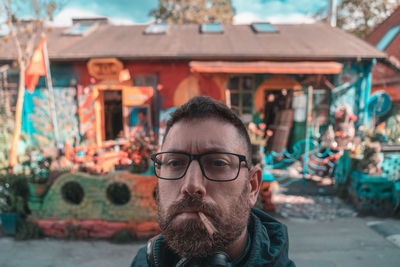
x=65 y=253
x=323 y=231
x=348 y=241
x=343 y=242
x=326 y=231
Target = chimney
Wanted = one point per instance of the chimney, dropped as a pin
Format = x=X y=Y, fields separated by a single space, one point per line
x=332 y=13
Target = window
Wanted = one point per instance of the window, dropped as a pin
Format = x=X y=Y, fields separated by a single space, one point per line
x=211 y=28
x=241 y=95
x=261 y=27
x=158 y=28
x=145 y=80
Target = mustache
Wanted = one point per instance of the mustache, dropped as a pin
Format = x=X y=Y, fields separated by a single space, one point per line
x=193 y=203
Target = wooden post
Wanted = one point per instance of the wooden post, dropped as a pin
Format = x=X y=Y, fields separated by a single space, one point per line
x=49 y=83
x=308 y=132
x=13 y=161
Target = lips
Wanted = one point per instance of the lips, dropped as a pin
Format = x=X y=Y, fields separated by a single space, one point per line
x=192 y=205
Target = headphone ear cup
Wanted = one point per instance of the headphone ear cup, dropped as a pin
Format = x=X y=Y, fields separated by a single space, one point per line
x=150 y=248
x=219 y=259
x=155 y=247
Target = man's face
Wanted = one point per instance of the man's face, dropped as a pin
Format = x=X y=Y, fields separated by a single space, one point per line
x=226 y=204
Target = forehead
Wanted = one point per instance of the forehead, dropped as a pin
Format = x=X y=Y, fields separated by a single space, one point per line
x=204 y=135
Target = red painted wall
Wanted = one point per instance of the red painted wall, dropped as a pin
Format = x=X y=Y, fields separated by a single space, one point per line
x=170 y=74
x=380 y=71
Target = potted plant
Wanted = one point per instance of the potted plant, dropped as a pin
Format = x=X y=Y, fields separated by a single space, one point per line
x=370 y=188
x=139 y=150
x=38 y=173
x=14 y=194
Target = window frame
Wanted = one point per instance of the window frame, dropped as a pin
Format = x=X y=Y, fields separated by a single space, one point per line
x=241 y=91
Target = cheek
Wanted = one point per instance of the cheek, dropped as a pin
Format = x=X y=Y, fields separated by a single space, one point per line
x=167 y=191
x=226 y=196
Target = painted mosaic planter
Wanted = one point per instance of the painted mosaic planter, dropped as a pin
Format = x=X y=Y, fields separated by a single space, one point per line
x=98 y=206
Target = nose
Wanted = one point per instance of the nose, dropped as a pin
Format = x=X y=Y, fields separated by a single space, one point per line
x=193 y=181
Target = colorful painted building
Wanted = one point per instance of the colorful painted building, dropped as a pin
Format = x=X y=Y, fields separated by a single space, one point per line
x=386 y=77
x=111 y=81
x=386 y=37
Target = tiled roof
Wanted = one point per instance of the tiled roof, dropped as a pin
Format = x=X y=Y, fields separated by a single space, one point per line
x=237 y=42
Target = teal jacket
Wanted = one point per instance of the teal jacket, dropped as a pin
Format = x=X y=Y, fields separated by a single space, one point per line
x=268 y=246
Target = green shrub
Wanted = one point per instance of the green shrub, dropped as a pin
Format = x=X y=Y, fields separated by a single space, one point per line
x=122 y=237
x=14 y=194
x=28 y=230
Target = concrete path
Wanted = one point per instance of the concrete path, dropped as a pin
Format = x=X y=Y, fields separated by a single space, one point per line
x=65 y=253
x=341 y=242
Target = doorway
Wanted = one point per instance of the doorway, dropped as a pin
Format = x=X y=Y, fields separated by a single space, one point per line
x=278 y=117
x=113 y=122
x=275 y=102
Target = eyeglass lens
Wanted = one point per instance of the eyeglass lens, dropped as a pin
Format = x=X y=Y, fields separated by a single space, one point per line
x=215 y=166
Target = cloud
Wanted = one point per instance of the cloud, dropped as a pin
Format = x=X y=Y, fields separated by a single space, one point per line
x=247 y=11
x=277 y=11
x=135 y=10
x=291 y=19
x=64 y=18
x=245 y=18
x=294 y=18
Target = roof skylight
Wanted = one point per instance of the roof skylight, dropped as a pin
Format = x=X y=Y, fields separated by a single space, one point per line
x=158 y=28
x=211 y=28
x=78 y=29
x=263 y=27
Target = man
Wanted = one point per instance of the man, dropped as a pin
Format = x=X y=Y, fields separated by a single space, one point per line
x=205 y=192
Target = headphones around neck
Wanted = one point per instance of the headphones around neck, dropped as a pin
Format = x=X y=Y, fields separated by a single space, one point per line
x=218 y=259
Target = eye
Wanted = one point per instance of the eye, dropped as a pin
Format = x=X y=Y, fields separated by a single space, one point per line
x=216 y=162
x=219 y=163
x=175 y=163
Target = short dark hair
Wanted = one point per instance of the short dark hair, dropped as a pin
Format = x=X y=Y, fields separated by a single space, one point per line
x=202 y=107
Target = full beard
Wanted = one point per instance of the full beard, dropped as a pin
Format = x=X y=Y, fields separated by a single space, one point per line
x=190 y=238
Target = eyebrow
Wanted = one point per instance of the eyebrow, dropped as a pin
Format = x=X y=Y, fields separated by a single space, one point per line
x=206 y=150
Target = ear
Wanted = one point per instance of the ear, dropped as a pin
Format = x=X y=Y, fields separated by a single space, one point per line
x=255 y=179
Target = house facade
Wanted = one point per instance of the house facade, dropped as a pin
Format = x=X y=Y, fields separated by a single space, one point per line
x=111 y=81
x=386 y=77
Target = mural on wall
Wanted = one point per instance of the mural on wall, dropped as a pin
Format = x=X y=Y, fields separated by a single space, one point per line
x=352 y=88
x=345 y=91
x=41 y=128
x=165 y=115
x=87 y=115
x=393 y=125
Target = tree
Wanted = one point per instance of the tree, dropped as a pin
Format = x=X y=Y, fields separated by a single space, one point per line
x=194 y=11
x=24 y=34
x=359 y=17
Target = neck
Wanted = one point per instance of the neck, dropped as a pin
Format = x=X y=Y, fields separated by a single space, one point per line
x=238 y=246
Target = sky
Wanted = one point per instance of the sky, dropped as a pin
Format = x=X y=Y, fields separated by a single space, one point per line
x=137 y=11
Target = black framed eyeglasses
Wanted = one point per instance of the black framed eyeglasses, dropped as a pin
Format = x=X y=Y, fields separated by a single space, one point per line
x=215 y=166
